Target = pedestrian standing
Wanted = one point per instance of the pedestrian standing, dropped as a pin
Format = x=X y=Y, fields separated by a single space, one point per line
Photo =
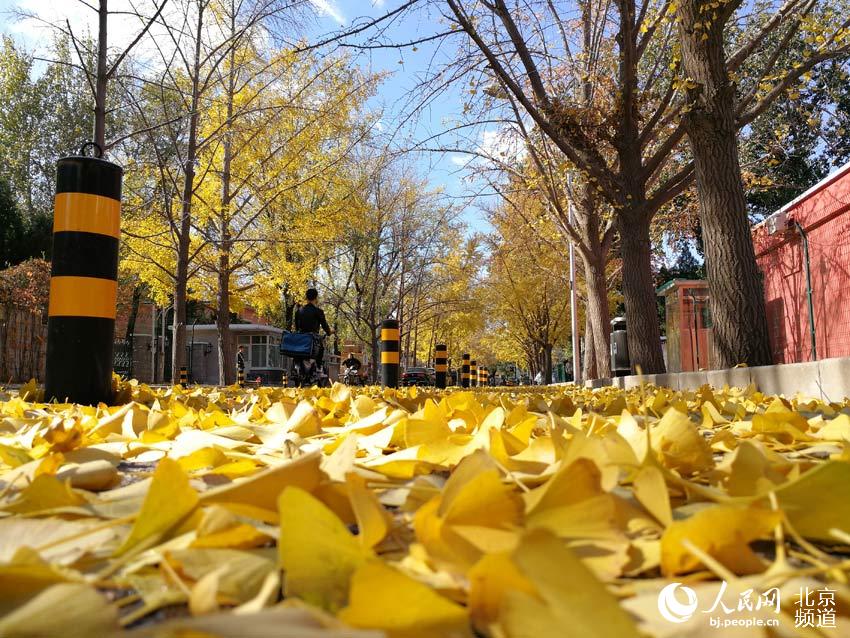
x=240 y=359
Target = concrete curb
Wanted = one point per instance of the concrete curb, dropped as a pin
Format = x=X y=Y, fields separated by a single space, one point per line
x=827 y=380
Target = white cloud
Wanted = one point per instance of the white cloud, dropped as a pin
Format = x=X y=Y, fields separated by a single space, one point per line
x=504 y=144
x=329 y=8
x=122 y=29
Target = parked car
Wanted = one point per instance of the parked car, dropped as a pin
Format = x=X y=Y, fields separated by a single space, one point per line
x=416 y=376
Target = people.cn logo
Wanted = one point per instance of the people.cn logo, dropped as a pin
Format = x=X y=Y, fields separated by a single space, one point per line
x=671 y=608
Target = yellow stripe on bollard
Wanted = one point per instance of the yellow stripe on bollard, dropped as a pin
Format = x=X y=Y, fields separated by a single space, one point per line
x=87 y=213
x=389 y=357
x=389 y=334
x=82 y=297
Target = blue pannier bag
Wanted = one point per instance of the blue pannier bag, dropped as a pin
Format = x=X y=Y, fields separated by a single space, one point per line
x=298 y=344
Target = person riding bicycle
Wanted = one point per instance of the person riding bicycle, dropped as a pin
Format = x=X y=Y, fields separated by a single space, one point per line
x=309 y=318
x=352 y=362
x=350 y=369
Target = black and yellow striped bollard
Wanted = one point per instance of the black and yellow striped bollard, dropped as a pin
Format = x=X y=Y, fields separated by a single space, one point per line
x=240 y=378
x=441 y=366
x=464 y=372
x=184 y=376
x=389 y=353
x=473 y=373
x=83 y=280
x=486 y=376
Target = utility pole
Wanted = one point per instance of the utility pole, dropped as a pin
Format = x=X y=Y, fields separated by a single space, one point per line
x=573 y=299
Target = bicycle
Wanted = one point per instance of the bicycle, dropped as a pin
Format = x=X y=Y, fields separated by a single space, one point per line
x=303 y=349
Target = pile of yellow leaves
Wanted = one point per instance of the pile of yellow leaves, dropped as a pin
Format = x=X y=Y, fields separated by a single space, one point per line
x=366 y=512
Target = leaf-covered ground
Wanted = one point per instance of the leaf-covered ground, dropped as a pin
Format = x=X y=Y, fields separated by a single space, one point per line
x=363 y=513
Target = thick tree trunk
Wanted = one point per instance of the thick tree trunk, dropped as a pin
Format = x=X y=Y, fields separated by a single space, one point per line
x=226 y=358
x=597 y=314
x=591 y=371
x=639 y=292
x=735 y=285
x=547 y=363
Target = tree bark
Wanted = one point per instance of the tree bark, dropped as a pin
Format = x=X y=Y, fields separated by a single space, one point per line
x=597 y=316
x=735 y=284
x=226 y=357
x=101 y=78
x=590 y=369
x=547 y=363
x=178 y=350
x=639 y=291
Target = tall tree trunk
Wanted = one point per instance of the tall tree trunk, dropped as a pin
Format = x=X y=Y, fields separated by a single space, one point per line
x=100 y=77
x=181 y=280
x=597 y=315
x=134 y=313
x=547 y=363
x=288 y=310
x=734 y=280
x=639 y=292
x=226 y=356
x=591 y=371
x=376 y=355
x=131 y=324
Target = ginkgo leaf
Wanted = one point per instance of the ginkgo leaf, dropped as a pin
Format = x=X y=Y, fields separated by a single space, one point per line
x=204 y=597
x=35 y=533
x=45 y=493
x=241 y=574
x=280 y=622
x=490 y=579
x=721 y=531
x=816 y=502
x=651 y=491
x=69 y=609
x=373 y=522
x=262 y=489
x=679 y=445
x=383 y=598
x=170 y=499
x=568 y=596
x=317 y=552
x=474 y=496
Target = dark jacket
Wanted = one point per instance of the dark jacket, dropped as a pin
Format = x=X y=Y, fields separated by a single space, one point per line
x=309 y=318
x=352 y=362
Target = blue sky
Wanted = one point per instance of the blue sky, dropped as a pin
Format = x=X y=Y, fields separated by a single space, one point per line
x=404 y=67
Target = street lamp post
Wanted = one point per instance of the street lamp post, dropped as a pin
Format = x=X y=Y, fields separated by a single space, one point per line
x=573 y=299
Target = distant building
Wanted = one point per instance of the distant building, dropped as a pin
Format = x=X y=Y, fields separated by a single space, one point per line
x=689 y=344
x=823 y=212
x=152 y=347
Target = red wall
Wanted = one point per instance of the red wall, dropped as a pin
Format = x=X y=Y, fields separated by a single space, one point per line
x=824 y=213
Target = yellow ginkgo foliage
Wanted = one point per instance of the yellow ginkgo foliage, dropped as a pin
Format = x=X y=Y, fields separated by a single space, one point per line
x=413 y=513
